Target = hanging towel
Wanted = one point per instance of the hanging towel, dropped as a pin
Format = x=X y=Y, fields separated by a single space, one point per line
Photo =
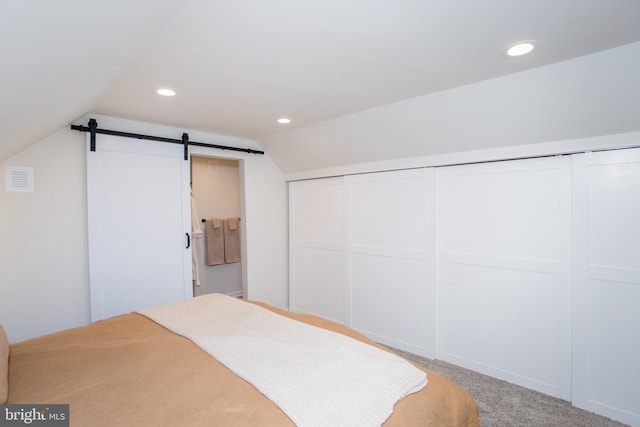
x=215 y=241
x=234 y=223
x=231 y=240
x=196 y=233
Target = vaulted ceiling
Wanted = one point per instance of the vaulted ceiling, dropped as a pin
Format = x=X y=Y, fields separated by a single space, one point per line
x=238 y=65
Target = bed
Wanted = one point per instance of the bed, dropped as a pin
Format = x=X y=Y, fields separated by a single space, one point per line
x=130 y=370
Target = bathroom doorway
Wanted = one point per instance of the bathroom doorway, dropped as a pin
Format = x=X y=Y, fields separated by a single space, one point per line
x=216 y=194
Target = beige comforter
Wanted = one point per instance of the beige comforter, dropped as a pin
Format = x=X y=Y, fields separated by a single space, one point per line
x=128 y=370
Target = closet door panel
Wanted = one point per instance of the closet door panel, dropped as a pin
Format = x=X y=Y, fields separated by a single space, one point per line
x=319 y=282
x=503 y=320
x=391 y=258
x=607 y=287
x=501 y=213
x=504 y=271
x=390 y=300
x=388 y=210
x=317 y=211
x=614 y=204
x=316 y=241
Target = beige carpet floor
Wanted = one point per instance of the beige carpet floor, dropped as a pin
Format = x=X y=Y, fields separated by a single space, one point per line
x=503 y=404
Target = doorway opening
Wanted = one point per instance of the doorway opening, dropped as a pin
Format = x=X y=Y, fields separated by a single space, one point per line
x=216 y=195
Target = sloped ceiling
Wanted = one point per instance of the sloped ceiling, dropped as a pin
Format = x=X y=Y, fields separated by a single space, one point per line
x=238 y=65
x=59 y=58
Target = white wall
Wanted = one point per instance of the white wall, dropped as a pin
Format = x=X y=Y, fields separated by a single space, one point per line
x=265 y=209
x=43 y=238
x=585 y=97
x=43 y=244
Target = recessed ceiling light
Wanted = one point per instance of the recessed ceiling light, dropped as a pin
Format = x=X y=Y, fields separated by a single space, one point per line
x=165 y=92
x=284 y=120
x=520 y=48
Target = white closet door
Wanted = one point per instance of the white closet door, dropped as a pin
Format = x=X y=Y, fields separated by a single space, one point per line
x=138 y=217
x=505 y=271
x=606 y=368
x=316 y=241
x=390 y=275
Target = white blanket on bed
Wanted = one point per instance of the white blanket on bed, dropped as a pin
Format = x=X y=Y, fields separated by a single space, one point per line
x=317 y=377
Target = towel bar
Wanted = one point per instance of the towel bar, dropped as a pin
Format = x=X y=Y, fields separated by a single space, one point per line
x=204 y=220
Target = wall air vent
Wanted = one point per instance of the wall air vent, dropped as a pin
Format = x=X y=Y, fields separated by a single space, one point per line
x=20 y=179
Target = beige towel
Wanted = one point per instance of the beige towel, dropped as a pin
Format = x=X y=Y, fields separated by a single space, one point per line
x=234 y=223
x=231 y=240
x=215 y=241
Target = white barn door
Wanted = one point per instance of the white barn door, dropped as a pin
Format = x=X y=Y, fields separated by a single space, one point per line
x=138 y=220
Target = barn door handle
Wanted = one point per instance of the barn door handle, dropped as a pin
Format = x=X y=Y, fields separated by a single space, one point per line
x=188 y=241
